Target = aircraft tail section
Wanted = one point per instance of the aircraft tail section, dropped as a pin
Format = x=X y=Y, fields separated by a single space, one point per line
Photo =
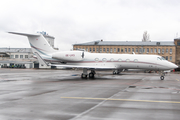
x=38 y=43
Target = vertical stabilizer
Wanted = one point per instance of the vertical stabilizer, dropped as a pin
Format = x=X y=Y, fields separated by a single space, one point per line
x=38 y=44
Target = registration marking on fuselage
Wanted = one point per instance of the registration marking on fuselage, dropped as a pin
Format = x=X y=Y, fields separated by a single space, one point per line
x=129 y=100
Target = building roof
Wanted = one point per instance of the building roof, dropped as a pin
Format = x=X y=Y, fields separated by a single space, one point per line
x=15 y=50
x=130 y=43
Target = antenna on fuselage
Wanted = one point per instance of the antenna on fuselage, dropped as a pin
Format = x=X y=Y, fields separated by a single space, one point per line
x=133 y=53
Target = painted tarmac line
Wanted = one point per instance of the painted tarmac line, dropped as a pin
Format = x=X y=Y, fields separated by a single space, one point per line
x=130 y=100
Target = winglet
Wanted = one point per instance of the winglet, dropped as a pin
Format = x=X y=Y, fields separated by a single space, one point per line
x=41 y=61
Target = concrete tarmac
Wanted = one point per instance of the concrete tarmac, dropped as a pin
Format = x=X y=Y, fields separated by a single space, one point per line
x=34 y=94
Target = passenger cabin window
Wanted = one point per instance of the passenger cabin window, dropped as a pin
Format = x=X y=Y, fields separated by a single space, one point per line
x=127 y=60
x=135 y=60
x=111 y=59
x=104 y=59
x=119 y=59
x=96 y=59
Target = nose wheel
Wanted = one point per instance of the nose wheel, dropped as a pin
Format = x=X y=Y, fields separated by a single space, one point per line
x=162 y=77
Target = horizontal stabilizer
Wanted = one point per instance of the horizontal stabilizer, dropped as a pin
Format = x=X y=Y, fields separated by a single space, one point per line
x=25 y=34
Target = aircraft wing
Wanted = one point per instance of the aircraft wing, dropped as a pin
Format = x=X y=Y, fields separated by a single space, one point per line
x=82 y=66
x=72 y=66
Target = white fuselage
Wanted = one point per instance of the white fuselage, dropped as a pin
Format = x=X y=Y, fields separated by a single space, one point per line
x=114 y=61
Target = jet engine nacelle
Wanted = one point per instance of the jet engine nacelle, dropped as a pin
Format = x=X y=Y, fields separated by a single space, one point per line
x=69 y=55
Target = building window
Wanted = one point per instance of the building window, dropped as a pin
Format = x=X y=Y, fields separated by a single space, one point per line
x=125 y=50
x=166 y=50
x=151 y=50
x=16 y=56
x=143 y=50
x=12 y=56
x=104 y=50
x=140 y=50
x=114 y=49
x=87 y=49
x=147 y=50
x=93 y=49
x=107 y=50
x=26 y=56
x=129 y=50
x=170 y=58
x=136 y=50
x=111 y=50
x=166 y=57
x=171 y=51
x=132 y=49
x=118 y=50
x=21 y=56
x=159 y=50
x=121 y=49
x=90 y=49
x=155 y=50
x=163 y=51
x=97 y=50
x=100 y=50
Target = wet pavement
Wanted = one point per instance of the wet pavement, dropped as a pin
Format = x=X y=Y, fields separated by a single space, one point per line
x=32 y=94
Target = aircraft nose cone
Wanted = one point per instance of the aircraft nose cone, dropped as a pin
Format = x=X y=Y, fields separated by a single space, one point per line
x=173 y=66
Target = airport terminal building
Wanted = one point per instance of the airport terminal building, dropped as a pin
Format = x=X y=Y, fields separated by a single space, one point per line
x=170 y=50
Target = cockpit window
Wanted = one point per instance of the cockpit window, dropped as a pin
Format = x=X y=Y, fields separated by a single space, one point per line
x=163 y=58
x=158 y=58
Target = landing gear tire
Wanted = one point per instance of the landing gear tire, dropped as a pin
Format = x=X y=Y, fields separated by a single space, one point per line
x=114 y=73
x=83 y=76
x=91 y=75
x=162 y=77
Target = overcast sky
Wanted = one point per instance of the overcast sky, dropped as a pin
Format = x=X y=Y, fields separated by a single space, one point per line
x=79 y=21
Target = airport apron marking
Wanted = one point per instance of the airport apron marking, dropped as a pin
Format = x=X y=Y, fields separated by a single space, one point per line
x=130 y=100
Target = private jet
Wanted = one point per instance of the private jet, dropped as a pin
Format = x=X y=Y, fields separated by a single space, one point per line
x=94 y=61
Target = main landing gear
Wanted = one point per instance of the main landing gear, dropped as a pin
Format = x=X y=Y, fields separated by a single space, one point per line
x=85 y=74
x=116 y=72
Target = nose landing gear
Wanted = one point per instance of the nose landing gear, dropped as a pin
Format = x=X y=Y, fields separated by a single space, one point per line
x=162 y=73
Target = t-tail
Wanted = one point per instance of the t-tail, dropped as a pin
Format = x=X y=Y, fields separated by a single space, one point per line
x=38 y=44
